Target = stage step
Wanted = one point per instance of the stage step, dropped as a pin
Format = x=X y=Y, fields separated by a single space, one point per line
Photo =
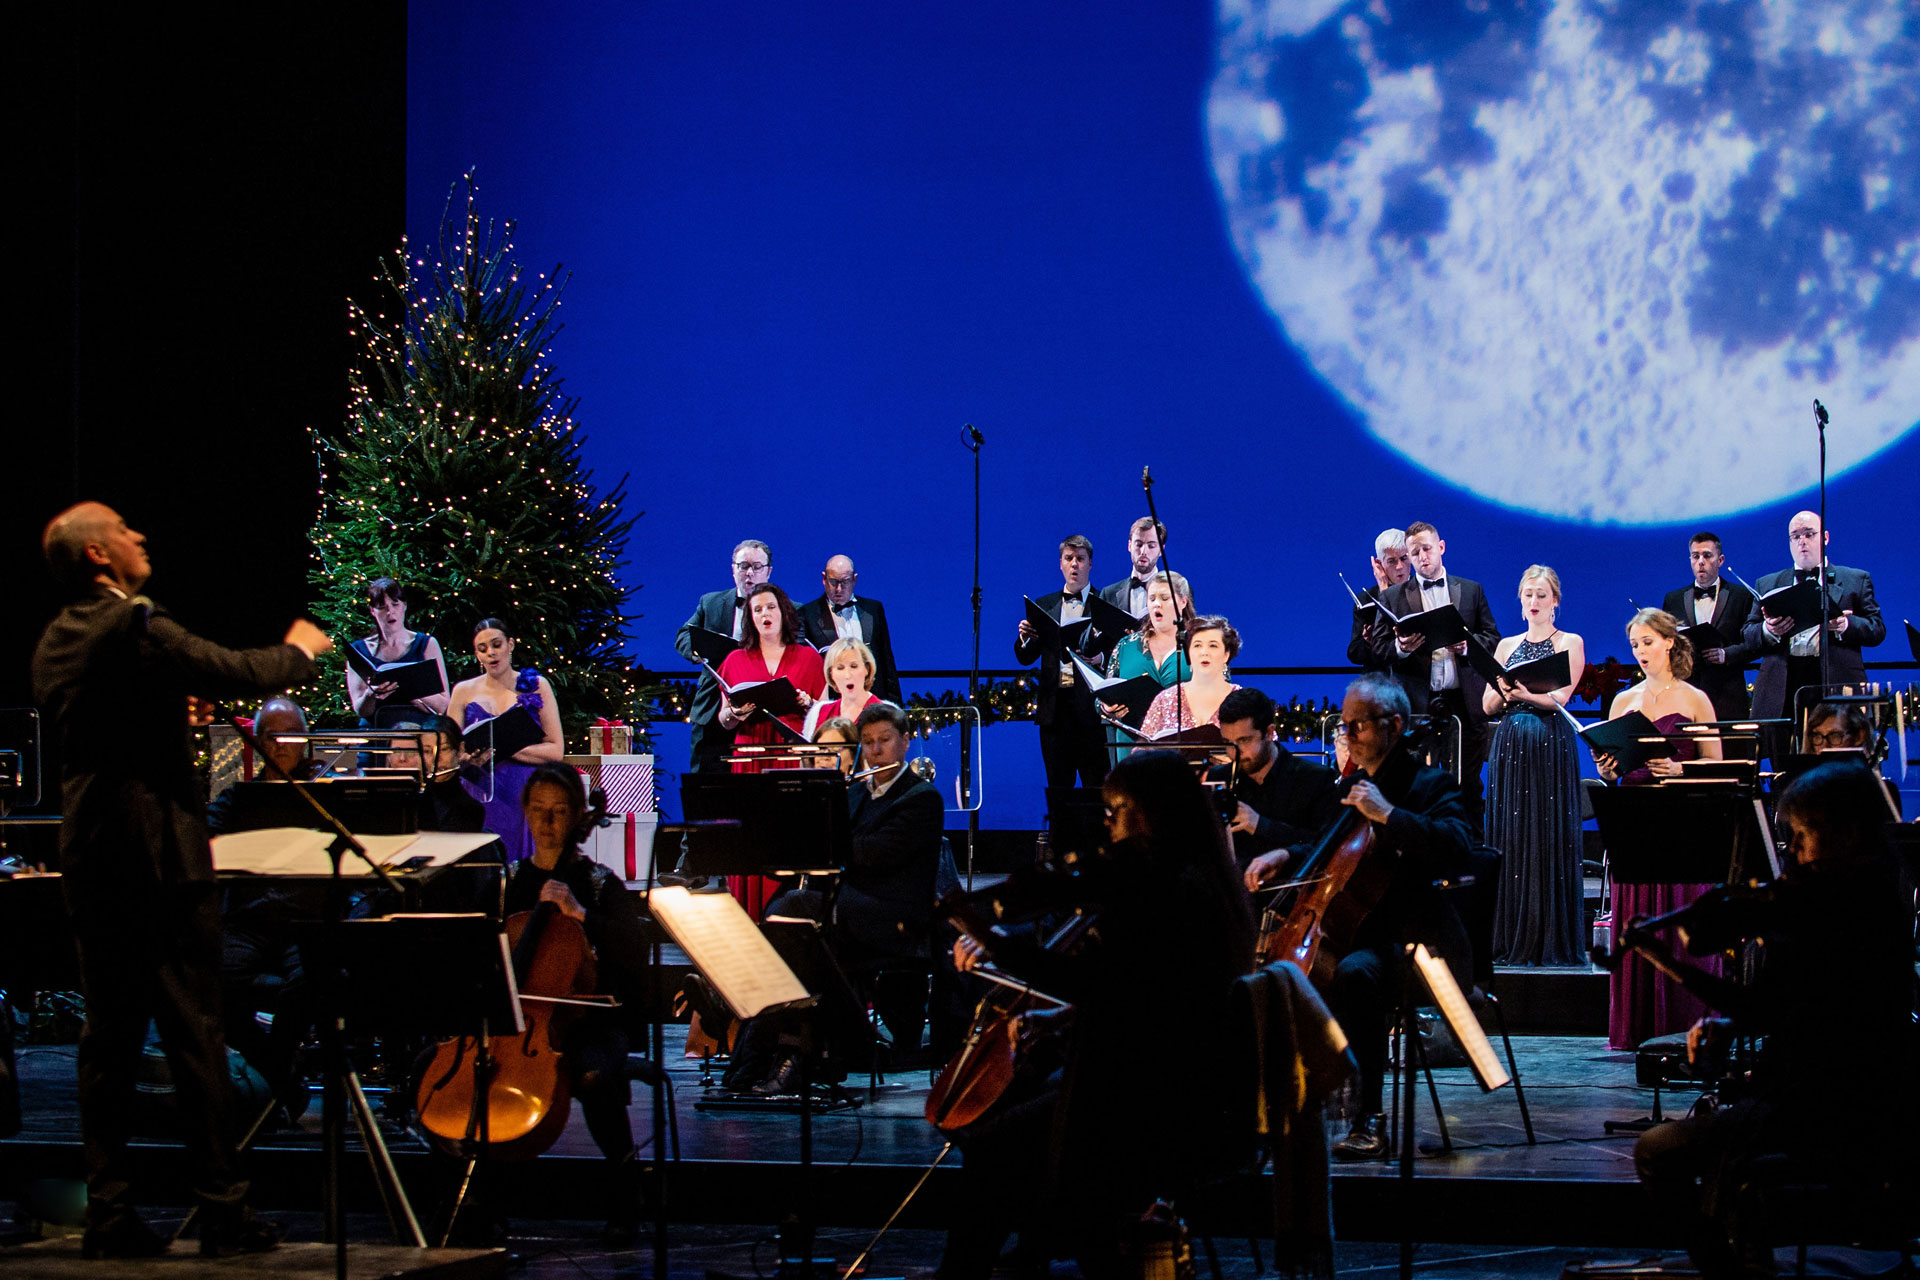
x=60 y=1260
x=1553 y=1001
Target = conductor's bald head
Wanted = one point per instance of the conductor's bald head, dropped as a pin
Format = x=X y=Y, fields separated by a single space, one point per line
x=89 y=542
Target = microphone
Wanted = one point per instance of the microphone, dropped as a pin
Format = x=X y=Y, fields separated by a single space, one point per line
x=1820 y=413
x=973 y=434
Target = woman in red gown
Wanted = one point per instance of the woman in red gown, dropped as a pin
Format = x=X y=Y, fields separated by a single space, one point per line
x=770 y=648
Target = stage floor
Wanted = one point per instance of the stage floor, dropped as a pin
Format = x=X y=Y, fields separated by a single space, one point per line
x=1574 y=1187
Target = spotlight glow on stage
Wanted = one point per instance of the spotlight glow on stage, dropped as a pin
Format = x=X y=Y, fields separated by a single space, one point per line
x=1589 y=258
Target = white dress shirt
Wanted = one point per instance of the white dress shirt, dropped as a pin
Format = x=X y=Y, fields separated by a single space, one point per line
x=1445 y=673
x=846 y=620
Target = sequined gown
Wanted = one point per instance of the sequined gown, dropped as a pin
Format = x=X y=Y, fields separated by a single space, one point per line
x=1533 y=818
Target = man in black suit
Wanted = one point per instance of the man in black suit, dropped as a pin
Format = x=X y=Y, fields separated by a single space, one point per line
x=1371 y=647
x=1420 y=829
x=838 y=612
x=719 y=611
x=1071 y=738
x=1789 y=648
x=114 y=674
x=1144 y=540
x=1280 y=799
x=1441 y=682
x=1719 y=672
x=883 y=908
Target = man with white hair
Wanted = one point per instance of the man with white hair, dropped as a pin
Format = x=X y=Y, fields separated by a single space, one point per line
x=1370 y=644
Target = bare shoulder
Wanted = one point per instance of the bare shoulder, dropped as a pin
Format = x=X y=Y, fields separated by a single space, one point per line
x=1628 y=700
x=1699 y=706
x=1567 y=640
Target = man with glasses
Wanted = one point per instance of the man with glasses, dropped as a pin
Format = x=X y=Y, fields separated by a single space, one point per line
x=725 y=612
x=1420 y=832
x=1277 y=799
x=1789 y=648
x=839 y=614
x=1370 y=647
x=1719 y=673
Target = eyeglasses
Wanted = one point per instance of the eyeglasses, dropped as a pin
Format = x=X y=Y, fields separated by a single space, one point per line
x=1802 y=535
x=1820 y=741
x=751 y=566
x=1347 y=728
x=838 y=582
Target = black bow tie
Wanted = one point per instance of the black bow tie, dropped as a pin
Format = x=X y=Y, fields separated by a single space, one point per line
x=1429 y=584
x=1802 y=575
x=739 y=603
x=844 y=609
x=1138 y=582
x=1705 y=593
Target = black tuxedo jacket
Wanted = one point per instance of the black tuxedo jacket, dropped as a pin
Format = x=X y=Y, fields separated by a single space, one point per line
x=1846 y=664
x=1369 y=657
x=1054 y=704
x=1725 y=684
x=1116 y=593
x=113 y=676
x=714 y=612
x=1416 y=670
x=1427 y=839
x=816 y=620
x=887 y=892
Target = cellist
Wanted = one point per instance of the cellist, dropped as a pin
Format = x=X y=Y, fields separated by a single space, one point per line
x=595 y=1042
x=1420 y=828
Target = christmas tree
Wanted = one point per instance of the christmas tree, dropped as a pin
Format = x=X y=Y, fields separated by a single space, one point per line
x=458 y=473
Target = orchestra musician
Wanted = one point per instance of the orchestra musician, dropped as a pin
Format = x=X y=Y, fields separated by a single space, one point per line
x=1279 y=800
x=850 y=673
x=595 y=1043
x=724 y=612
x=1721 y=674
x=1154 y=650
x=1371 y=647
x=1072 y=741
x=1145 y=537
x=1212 y=644
x=1420 y=827
x=1789 y=648
x=1642 y=1002
x=1533 y=792
x=1439 y=683
x=391 y=641
x=1084 y=1156
x=499 y=688
x=113 y=673
x=839 y=729
x=1834 y=977
x=1835 y=727
x=444 y=804
x=840 y=615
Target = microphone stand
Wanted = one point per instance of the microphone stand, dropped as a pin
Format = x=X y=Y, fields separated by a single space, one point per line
x=971 y=439
x=1181 y=664
x=1826 y=636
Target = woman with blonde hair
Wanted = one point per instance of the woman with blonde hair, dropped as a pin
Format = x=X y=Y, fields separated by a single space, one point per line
x=850 y=669
x=1533 y=791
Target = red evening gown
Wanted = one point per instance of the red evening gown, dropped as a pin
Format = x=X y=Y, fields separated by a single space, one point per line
x=801 y=665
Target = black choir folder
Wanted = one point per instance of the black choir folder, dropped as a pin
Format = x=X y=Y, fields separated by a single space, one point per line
x=416 y=679
x=1704 y=635
x=1799 y=601
x=711 y=646
x=777 y=697
x=1542 y=675
x=1054 y=634
x=506 y=735
x=1442 y=627
x=1631 y=739
x=1110 y=620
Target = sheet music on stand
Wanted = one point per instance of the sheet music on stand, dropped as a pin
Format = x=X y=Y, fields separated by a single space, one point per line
x=299 y=851
x=1467 y=1032
x=729 y=950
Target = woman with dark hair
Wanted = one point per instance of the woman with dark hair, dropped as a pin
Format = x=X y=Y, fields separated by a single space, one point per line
x=392 y=642
x=499 y=688
x=770 y=647
x=1172 y=933
x=594 y=1044
x=1212 y=644
x=1643 y=1002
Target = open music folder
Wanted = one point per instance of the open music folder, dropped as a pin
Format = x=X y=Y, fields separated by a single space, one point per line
x=1631 y=739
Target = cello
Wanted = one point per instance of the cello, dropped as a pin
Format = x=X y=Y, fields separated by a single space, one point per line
x=1337 y=884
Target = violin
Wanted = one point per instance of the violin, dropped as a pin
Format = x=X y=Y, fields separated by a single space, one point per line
x=1312 y=921
x=509 y=1094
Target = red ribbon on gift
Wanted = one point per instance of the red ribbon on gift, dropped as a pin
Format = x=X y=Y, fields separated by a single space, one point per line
x=633 y=859
x=606 y=728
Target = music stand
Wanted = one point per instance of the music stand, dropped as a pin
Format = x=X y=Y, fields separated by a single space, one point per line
x=791 y=821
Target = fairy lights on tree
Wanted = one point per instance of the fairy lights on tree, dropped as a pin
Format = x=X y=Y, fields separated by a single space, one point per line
x=458 y=472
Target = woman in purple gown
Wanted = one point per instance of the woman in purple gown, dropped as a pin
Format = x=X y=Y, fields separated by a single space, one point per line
x=496 y=690
x=1642 y=1003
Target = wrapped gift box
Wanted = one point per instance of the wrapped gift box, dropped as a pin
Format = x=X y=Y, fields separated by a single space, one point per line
x=625 y=845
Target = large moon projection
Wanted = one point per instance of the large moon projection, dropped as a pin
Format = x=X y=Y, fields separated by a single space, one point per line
x=1589 y=258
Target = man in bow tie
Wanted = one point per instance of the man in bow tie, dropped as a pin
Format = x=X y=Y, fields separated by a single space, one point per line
x=1441 y=683
x=1720 y=672
x=838 y=614
x=722 y=611
x=1144 y=541
x=1789 y=647
x=1072 y=741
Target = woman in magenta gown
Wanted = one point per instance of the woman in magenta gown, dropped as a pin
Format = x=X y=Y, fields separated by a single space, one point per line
x=1641 y=1002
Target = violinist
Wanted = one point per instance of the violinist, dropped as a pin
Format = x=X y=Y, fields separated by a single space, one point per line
x=595 y=1044
x=1096 y=1146
x=1420 y=828
x=1833 y=986
x=1276 y=799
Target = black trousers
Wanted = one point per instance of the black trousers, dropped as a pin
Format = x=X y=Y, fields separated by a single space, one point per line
x=1692 y=1170
x=1070 y=748
x=1365 y=992
x=152 y=953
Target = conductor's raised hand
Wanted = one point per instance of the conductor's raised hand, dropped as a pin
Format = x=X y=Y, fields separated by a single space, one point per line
x=199 y=712
x=304 y=635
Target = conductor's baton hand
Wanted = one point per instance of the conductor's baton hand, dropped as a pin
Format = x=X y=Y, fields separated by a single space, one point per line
x=304 y=635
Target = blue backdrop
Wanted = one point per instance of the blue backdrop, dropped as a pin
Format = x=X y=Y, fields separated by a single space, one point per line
x=809 y=242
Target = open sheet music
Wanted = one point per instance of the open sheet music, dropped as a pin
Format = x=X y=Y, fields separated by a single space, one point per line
x=728 y=950
x=298 y=851
x=1466 y=1029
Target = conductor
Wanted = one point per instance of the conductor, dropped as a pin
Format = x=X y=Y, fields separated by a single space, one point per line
x=113 y=673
